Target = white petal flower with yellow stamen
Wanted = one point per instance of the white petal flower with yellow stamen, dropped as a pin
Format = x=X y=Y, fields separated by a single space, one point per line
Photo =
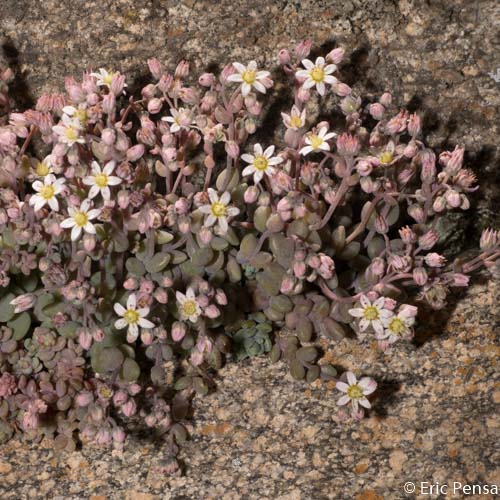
x=318 y=142
x=218 y=210
x=261 y=162
x=371 y=314
x=70 y=131
x=100 y=180
x=104 y=77
x=181 y=119
x=44 y=167
x=187 y=306
x=249 y=77
x=296 y=119
x=356 y=392
x=79 y=220
x=132 y=318
x=47 y=192
x=400 y=326
x=79 y=113
x=317 y=74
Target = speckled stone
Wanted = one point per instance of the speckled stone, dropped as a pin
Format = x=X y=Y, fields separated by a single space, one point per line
x=262 y=435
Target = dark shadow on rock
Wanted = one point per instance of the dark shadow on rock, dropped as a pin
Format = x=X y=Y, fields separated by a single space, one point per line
x=384 y=397
x=19 y=89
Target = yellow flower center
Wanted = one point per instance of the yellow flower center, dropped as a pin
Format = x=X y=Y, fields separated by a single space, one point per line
x=317 y=74
x=80 y=218
x=108 y=79
x=42 y=169
x=355 y=392
x=131 y=316
x=189 y=308
x=105 y=392
x=218 y=209
x=81 y=115
x=386 y=157
x=101 y=180
x=47 y=192
x=249 y=76
x=260 y=163
x=71 y=134
x=315 y=141
x=396 y=326
x=371 y=313
x=296 y=121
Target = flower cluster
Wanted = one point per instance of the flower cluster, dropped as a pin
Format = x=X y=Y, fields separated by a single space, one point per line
x=151 y=238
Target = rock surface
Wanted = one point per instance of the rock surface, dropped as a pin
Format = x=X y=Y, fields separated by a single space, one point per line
x=262 y=435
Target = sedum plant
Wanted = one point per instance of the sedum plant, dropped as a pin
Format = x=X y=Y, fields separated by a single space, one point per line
x=154 y=237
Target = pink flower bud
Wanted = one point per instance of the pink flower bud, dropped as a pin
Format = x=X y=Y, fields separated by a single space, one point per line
x=129 y=408
x=155 y=68
x=85 y=339
x=489 y=239
x=303 y=95
x=287 y=285
x=407 y=235
x=134 y=389
x=98 y=335
x=453 y=198
x=416 y=212
x=120 y=397
x=182 y=70
x=439 y=204
x=109 y=104
x=179 y=331
x=155 y=105
x=342 y=89
x=284 y=57
x=336 y=55
x=212 y=311
x=119 y=435
x=23 y=302
x=434 y=260
x=377 y=111
x=206 y=79
x=452 y=161
x=147 y=337
x=386 y=99
x=429 y=239
x=161 y=296
x=84 y=398
x=232 y=149
x=131 y=284
x=123 y=199
x=108 y=136
x=135 y=152
x=414 y=125
x=251 y=194
x=460 y=279
x=428 y=159
x=348 y=145
x=117 y=84
x=220 y=297
x=303 y=49
x=89 y=242
x=103 y=436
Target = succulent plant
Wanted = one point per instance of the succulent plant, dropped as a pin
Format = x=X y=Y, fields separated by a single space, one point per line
x=154 y=236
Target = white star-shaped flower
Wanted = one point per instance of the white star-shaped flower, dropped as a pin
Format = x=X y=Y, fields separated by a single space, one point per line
x=372 y=314
x=218 y=210
x=46 y=192
x=355 y=391
x=261 y=162
x=317 y=74
x=187 y=305
x=296 y=119
x=100 y=180
x=104 y=77
x=400 y=326
x=181 y=119
x=70 y=131
x=249 y=77
x=132 y=318
x=317 y=142
x=79 y=220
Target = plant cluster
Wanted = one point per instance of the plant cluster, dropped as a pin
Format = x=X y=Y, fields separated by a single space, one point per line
x=153 y=238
